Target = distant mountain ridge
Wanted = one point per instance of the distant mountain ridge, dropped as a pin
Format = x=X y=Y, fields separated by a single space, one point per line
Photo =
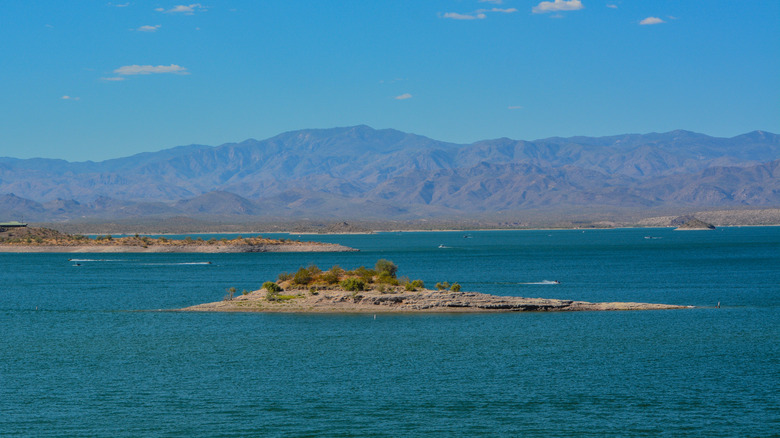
x=358 y=171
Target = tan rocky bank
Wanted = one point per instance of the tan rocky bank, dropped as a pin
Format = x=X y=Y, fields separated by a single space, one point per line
x=44 y=240
x=363 y=290
x=334 y=301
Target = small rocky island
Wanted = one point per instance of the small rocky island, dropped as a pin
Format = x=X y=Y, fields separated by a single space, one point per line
x=379 y=290
x=691 y=223
x=30 y=239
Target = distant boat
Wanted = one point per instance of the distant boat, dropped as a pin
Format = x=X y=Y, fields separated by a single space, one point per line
x=442 y=246
x=653 y=237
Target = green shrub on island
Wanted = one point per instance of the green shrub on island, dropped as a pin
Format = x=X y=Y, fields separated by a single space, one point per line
x=353 y=284
x=270 y=286
x=455 y=287
x=364 y=273
x=272 y=290
x=303 y=277
x=386 y=267
x=385 y=278
x=414 y=285
x=442 y=286
x=330 y=277
x=284 y=276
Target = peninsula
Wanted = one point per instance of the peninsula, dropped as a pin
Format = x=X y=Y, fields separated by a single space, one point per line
x=29 y=239
x=378 y=290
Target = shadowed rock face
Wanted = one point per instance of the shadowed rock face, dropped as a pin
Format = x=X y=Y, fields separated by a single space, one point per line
x=362 y=172
x=333 y=301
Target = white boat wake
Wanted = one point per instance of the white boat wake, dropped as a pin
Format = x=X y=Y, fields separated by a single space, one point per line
x=544 y=282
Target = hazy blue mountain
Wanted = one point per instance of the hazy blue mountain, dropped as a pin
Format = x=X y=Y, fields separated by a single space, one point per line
x=362 y=172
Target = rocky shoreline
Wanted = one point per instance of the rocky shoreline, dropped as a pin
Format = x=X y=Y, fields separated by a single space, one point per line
x=193 y=248
x=379 y=290
x=44 y=240
x=425 y=301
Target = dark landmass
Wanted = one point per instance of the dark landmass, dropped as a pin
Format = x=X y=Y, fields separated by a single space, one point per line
x=30 y=239
x=359 y=174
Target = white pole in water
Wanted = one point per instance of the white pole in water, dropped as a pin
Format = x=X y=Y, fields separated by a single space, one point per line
x=375 y=316
x=718 y=304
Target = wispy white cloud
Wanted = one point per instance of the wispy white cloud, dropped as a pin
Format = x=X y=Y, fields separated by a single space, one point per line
x=122 y=5
x=557 y=6
x=66 y=97
x=495 y=2
x=113 y=79
x=611 y=6
x=182 y=9
x=650 y=21
x=403 y=96
x=149 y=28
x=504 y=11
x=457 y=16
x=128 y=70
x=479 y=14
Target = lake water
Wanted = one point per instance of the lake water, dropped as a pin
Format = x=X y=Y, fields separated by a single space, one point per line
x=85 y=351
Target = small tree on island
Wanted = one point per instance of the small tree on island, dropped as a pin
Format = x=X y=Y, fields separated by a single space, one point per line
x=272 y=290
x=230 y=293
x=386 y=266
x=302 y=277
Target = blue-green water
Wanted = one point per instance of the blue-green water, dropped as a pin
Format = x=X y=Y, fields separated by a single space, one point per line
x=82 y=355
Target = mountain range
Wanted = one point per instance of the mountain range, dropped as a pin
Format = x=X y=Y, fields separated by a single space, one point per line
x=359 y=172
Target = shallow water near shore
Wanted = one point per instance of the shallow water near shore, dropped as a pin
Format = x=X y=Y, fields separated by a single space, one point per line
x=83 y=355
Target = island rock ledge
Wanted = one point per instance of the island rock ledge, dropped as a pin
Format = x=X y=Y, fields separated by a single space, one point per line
x=425 y=301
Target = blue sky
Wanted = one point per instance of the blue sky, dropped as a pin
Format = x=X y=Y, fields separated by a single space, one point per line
x=91 y=80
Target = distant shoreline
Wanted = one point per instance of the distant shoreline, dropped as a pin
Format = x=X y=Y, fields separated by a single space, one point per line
x=465 y=230
x=204 y=249
x=44 y=240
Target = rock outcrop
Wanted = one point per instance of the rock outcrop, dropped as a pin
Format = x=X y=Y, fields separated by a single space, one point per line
x=695 y=224
x=425 y=301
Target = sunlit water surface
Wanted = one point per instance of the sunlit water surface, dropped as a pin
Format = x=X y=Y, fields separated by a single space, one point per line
x=85 y=351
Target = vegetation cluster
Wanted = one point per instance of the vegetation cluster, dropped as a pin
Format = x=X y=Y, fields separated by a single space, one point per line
x=382 y=278
x=50 y=237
